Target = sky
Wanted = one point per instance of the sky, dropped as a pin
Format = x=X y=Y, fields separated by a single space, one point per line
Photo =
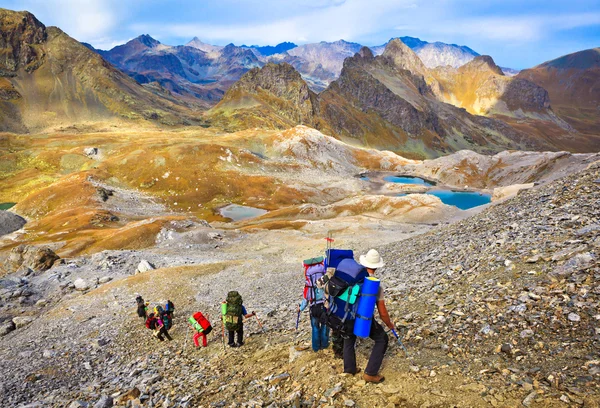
x=516 y=33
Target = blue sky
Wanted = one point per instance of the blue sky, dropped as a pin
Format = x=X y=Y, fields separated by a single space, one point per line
x=516 y=34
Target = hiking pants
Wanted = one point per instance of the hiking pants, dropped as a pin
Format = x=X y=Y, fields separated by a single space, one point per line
x=197 y=335
x=337 y=342
x=380 y=337
x=164 y=332
x=240 y=335
x=320 y=334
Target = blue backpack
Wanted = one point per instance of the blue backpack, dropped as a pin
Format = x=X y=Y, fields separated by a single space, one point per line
x=344 y=290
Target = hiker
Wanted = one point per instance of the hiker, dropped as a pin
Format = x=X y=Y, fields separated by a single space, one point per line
x=201 y=326
x=163 y=324
x=233 y=312
x=336 y=338
x=371 y=261
x=314 y=296
x=169 y=308
x=141 y=307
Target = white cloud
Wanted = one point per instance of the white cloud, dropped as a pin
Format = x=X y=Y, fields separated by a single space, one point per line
x=336 y=20
x=523 y=28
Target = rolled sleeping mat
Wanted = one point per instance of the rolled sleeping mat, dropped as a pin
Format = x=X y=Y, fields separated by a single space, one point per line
x=366 y=307
x=195 y=324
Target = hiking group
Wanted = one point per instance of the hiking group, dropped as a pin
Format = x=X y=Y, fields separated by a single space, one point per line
x=160 y=320
x=341 y=295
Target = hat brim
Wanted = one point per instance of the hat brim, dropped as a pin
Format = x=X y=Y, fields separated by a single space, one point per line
x=363 y=261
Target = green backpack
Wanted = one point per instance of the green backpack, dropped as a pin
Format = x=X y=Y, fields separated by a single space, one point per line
x=233 y=313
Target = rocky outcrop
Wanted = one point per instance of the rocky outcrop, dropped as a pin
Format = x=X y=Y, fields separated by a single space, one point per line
x=10 y=222
x=273 y=96
x=21 y=35
x=38 y=259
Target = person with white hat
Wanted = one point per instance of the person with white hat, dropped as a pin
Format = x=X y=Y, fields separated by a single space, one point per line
x=371 y=261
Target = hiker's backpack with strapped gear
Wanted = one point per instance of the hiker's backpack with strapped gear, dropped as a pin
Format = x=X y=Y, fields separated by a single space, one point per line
x=233 y=314
x=166 y=319
x=151 y=322
x=200 y=323
x=314 y=269
x=169 y=307
x=344 y=290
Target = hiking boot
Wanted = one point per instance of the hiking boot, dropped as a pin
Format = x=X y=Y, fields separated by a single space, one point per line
x=373 y=378
x=358 y=370
x=233 y=345
x=239 y=344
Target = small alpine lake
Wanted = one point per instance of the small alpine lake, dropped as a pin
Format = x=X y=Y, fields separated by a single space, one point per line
x=460 y=199
x=241 y=212
x=6 y=206
x=408 y=180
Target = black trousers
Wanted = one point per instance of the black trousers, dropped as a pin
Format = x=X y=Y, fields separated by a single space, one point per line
x=380 y=337
x=240 y=335
x=164 y=332
x=337 y=342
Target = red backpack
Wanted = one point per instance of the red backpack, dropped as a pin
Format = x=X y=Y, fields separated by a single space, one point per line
x=151 y=322
x=202 y=321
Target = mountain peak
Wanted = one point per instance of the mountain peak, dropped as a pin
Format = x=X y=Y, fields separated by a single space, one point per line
x=147 y=40
x=483 y=63
x=19 y=31
x=403 y=57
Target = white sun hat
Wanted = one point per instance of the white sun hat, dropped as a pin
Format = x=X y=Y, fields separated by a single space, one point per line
x=371 y=260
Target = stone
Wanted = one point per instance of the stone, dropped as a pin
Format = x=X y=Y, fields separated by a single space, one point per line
x=144 y=266
x=7 y=327
x=574 y=317
x=39 y=259
x=104 y=402
x=21 y=321
x=526 y=333
x=529 y=398
x=506 y=348
x=104 y=279
x=81 y=284
x=132 y=394
x=78 y=404
x=278 y=378
x=90 y=151
x=332 y=392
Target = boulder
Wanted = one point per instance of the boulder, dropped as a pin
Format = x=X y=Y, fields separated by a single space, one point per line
x=6 y=328
x=21 y=321
x=81 y=284
x=144 y=266
x=10 y=222
x=38 y=259
x=90 y=151
x=104 y=402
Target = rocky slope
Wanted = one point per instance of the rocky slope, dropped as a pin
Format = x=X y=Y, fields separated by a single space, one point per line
x=50 y=80
x=499 y=309
x=572 y=82
x=274 y=96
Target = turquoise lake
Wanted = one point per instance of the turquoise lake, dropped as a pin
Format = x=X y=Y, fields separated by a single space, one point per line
x=6 y=206
x=408 y=180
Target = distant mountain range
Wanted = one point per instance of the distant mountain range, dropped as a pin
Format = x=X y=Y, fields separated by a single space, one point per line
x=394 y=101
x=387 y=99
x=49 y=80
x=207 y=71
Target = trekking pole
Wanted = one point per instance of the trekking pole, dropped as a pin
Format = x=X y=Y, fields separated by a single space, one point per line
x=400 y=342
x=186 y=337
x=261 y=326
x=223 y=334
x=298 y=318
